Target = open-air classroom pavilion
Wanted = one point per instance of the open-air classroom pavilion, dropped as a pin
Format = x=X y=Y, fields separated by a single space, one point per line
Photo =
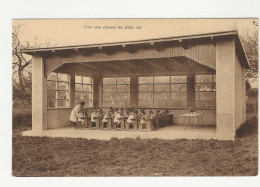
x=203 y=72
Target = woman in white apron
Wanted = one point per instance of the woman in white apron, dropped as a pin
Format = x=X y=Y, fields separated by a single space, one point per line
x=76 y=113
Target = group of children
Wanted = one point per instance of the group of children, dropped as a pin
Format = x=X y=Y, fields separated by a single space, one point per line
x=78 y=114
x=117 y=116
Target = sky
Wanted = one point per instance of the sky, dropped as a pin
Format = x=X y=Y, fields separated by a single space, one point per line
x=67 y=32
x=61 y=32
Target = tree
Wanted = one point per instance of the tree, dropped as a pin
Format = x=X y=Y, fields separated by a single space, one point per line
x=21 y=68
x=21 y=65
x=250 y=43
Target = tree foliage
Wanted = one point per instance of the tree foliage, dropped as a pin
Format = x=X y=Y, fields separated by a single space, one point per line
x=250 y=43
x=21 y=65
x=21 y=68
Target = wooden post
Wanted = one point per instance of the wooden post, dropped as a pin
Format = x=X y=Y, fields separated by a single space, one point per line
x=122 y=124
x=97 y=90
x=134 y=91
x=39 y=95
x=97 y=123
x=109 y=124
x=191 y=91
x=225 y=86
x=72 y=90
x=135 y=124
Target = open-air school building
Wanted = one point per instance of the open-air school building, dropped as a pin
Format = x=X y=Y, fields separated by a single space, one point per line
x=204 y=72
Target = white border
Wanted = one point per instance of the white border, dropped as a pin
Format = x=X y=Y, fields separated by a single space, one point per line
x=105 y=9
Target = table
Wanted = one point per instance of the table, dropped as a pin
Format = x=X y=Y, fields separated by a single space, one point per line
x=192 y=116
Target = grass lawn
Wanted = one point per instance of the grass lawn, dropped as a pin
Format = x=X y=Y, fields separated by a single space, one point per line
x=36 y=156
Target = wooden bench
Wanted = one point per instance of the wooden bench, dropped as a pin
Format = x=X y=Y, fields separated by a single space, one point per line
x=97 y=121
x=122 y=124
x=135 y=125
x=148 y=124
x=109 y=124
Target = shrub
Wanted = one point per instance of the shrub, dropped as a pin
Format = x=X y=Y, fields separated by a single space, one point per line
x=252 y=92
x=250 y=107
x=22 y=119
x=248 y=128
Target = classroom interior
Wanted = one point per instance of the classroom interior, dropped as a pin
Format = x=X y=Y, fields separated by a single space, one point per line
x=178 y=85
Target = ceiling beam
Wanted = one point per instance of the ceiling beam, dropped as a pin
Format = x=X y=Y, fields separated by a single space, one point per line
x=133 y=64
x=75 y=68
x=156 y=64
x=177 y=62
x=112 y=67
x=86 y=69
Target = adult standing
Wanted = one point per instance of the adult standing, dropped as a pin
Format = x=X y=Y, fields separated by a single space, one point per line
x=75 y=113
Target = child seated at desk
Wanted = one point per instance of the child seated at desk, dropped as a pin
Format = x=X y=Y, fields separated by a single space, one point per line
x=158 y=113
x=143 y=116
x=126 y=113
x=105 y=119
x=111 y=110
x=134 y=110
x=151 y=115
x=80 y=119
x=100 y=113
x=165 y=112
x=118 y=116
x=93 y=116
x=131 y=117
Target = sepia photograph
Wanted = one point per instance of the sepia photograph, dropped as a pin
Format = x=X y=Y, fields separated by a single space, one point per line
x=134 y=97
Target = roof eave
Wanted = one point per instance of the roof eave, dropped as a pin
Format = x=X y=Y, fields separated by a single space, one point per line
x=31 y=51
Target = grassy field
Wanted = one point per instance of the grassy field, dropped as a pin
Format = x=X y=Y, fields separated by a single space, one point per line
x=34 y=156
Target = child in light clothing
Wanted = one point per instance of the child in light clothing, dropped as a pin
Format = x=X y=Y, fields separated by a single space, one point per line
x=129 y=120
x=143 y=117
x=151 y=115
x=111 y=111
x=80 y=118
x=118 y=116
x=158 y=113
x=126 y=113
x=105 y=119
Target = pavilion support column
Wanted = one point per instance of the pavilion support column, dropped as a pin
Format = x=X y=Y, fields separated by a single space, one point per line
x=244 y=94
x=134 y=91
x=97 y=92
x=39 y=95
x=225 y=86
x=191 y=91
x=72 y=90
